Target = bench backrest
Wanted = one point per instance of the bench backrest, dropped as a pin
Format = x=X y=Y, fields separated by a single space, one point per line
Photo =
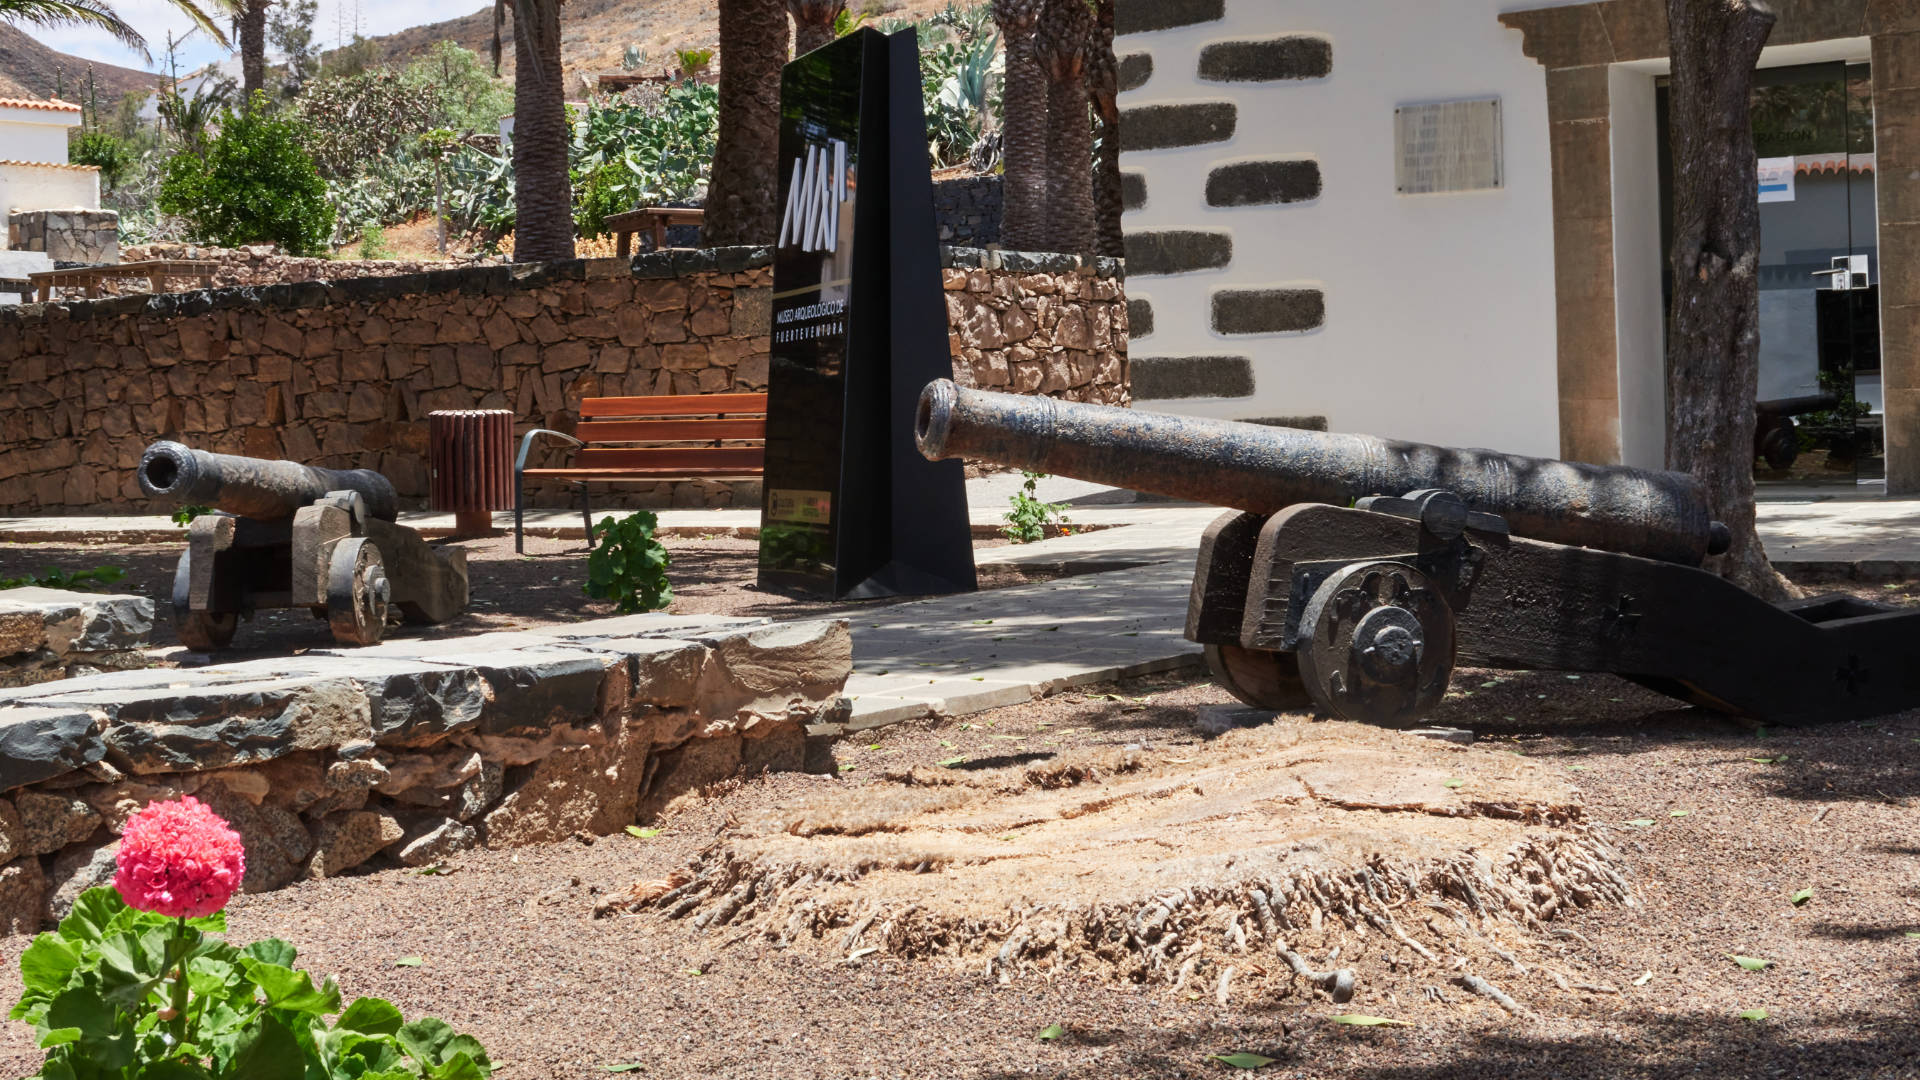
x=712 y=419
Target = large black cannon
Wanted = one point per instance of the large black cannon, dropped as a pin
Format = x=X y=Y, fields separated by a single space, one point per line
x=1355 y=572
x=291 y=535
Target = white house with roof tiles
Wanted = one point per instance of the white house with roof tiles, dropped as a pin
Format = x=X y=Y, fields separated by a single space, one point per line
x=35 y=175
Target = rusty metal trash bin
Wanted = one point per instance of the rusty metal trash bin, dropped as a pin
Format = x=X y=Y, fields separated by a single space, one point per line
x=470 y=465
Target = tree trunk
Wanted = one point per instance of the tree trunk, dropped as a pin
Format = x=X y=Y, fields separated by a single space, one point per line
x=1103 y=86
x=1713 y=336
x=1023 y=130
x=1061 y=44
x=251 y=22
x=543 y=192
x=813 y=22
x=740 y=197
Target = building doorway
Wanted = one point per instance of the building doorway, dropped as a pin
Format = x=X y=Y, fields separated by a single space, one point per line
x=1820 y=402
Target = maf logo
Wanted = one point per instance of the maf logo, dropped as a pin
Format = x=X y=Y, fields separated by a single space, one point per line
x=818 y=187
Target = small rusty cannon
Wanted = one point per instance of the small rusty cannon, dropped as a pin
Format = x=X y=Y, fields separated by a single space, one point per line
x=291 y=535
x=1355 y=572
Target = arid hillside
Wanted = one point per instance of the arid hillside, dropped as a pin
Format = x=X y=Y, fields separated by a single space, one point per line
x=30 y=69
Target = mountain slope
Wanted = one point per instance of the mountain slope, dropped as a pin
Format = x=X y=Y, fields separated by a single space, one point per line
x=30 y=69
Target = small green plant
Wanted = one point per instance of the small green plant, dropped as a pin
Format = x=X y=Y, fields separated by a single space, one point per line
x=185 y=515
x=373 y=243
x=628 y=565
x=255 y=184
x=1028 y=519
x=63 y=579
x=113 y=156
x=693 y=61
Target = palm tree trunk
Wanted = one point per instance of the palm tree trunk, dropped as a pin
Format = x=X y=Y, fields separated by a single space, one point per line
x=740 y=198
x=543 y=193
x=813 y=22
x=1061 y=44
x=252 y=24
x=1023 y=129
x=1713 y=337
x=1103 y=85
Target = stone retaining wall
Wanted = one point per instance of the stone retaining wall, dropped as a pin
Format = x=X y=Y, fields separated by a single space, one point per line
x=967 y=210
x=265 y=264
x=48 y=634
x=406 y=751
x=342 y=373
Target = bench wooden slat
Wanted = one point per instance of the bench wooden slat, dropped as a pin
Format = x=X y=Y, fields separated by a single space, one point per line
x=662 y=457
x=673 y=405
x=598 y=431
x=753 y=473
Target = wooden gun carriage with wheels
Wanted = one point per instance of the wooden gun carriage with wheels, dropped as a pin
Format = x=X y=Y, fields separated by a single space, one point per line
x=291 y=535
x=1354 y=573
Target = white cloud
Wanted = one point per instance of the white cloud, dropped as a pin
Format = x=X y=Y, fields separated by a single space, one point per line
x=335 y=21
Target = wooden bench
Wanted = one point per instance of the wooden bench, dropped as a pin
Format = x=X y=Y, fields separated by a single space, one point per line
x=652 y=438
x=155 y=272
x=654 y=218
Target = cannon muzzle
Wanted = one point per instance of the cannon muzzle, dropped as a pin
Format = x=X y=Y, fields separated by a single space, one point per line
x=254 y=487
x=1260 y=469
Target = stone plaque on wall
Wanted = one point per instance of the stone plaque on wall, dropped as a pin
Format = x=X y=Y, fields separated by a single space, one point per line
x=1447 y=146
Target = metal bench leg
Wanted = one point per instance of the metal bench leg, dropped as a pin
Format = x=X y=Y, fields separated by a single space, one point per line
x=586 y=515
x=519 y=507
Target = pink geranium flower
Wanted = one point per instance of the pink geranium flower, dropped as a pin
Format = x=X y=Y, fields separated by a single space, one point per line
x=179 y=858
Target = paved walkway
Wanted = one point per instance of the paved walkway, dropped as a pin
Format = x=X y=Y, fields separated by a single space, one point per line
x=1121 y=614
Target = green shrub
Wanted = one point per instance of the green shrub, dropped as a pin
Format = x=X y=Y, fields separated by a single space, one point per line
x=373 y=243
x=628 y=565
x=106 y=152
x=630 y=155
x=63 y=579
x=101 y=993
x=256 y=184
x=1027 y=521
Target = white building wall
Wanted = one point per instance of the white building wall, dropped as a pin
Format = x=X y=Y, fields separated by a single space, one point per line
x=35 y=134
x=1439 y=309
x=47 y=187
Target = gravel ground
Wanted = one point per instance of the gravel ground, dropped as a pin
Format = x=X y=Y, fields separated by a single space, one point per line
x=711 y=575
x=512 y=954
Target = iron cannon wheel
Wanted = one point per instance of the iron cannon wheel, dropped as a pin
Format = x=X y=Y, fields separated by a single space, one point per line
x=1382 y=644
x=201 y=631
x=358 y=595
x=1262 y=678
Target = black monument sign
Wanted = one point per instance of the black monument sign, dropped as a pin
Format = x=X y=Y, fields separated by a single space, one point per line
x=859 y=326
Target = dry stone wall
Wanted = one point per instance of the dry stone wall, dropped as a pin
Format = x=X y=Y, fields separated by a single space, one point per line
x=408 y=751
x=342 y=372
x=48 y=634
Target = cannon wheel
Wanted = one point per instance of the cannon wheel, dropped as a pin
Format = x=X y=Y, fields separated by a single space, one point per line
x=357 y=592
x=1262 y=678
x=1382 y=646
x=201 y=631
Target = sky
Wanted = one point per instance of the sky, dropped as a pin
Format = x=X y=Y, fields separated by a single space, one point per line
x=334 y=23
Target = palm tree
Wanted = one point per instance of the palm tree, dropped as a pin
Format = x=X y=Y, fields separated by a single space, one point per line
x=1023 y=221
x=813 y=22
x=1103 y=84
x=542 y=190
x=1061 y=43
x=250 y=22
x=740 y=198
x=49 y=13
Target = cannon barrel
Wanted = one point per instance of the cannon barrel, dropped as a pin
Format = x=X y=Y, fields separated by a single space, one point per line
x=254 y=487
x=1252 y=467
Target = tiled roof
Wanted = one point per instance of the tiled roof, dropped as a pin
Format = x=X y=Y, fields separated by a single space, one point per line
x=51 y=165
x=54 y=104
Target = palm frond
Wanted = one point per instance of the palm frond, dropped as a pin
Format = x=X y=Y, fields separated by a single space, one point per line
x=204 y=21
x=50 y=13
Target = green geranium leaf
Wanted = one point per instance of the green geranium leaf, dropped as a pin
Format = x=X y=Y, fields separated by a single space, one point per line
x=93 y=912
x=272 y=951
x=99 y=1031
x=1751 y=963
x=1241 y=1060
x=1051 y=1032
x=371 y=1016
x=286 y=988
x=47 y=964
x=270 y=1053
x=1801 y=897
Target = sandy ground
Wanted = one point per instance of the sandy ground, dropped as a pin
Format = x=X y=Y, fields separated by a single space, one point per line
x=513 y=955
x=713 y=575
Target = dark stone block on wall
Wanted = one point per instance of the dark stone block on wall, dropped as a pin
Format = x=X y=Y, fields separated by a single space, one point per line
x=1303 y=423
x=1268 y=311
x=1295 y=56
x=1135 y=70
x=1139 y=318
x=1255 y=183
x=1141 y=16
x=1157 y=378
x=1133 y=190
x=1177 y=251
x=1155 y=127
